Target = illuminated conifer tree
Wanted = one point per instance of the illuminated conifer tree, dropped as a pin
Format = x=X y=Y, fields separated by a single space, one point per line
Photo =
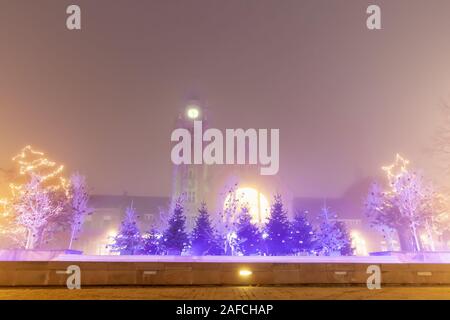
x=249 y=237
x=301 y=235
x=277 y=229
x=175 y=238
x=128 y=241
x=152 y=242
x=204 y=239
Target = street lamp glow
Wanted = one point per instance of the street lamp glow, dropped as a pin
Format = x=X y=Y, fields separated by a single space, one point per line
x=359 y=243
x=111 y=234
x=245 y=273
x=193 y=112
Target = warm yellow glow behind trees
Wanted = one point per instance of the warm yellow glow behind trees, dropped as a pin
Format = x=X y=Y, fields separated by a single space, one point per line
x=254 y=200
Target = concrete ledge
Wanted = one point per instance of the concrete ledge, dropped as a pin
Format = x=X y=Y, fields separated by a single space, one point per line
x=416 y=257
x=205 y=273
x=34 y=255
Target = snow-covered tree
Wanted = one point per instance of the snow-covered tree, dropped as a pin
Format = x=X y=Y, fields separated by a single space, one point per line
x=302 y=234
x=437 y=223
x=128 y=240
x=12 y=235
x=226 y=221
x=38 y=193
x=204 y=238
x=36 y=207
x=410 y=197
x=406 y=205
x=384 y=216
x=346 y=248
x=277 y=229
x=175 y=238
x=152 y=242
x=248 y=236
x=332 y=236
x=78 y=207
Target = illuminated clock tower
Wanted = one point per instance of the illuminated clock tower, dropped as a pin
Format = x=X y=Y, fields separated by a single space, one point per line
x=191 y=181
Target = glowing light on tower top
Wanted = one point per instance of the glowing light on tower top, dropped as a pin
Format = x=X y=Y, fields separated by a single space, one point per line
x=193 y=111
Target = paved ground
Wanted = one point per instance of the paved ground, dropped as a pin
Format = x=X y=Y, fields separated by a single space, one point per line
x=231 y=293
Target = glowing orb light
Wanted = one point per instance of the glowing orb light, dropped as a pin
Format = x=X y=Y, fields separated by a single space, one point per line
x=254 y=200
x=193 y=112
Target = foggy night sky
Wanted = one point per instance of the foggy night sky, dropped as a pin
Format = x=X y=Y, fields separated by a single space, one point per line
x=103 y=101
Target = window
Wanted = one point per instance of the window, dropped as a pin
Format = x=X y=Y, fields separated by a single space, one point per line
x=190 y=196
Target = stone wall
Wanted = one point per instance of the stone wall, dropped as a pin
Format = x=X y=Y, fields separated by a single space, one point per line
x=31 y=273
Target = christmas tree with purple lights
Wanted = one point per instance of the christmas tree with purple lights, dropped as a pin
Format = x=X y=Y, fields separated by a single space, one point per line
x=128 y=241
x=301 y=235
x=249 y=238
x=204 y=238
x=175 y=238
x=277 y=229
x=152 y=241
